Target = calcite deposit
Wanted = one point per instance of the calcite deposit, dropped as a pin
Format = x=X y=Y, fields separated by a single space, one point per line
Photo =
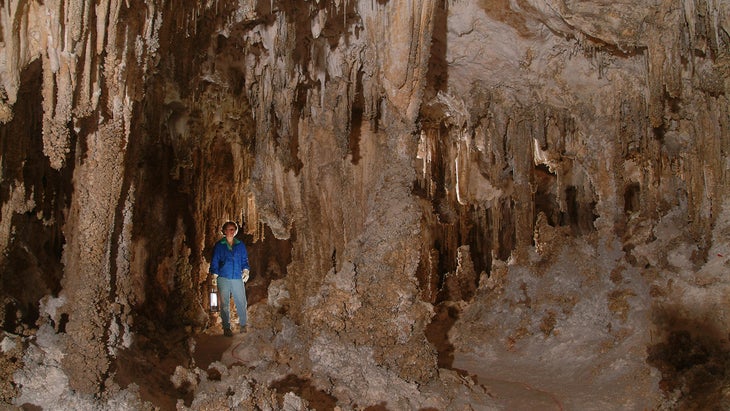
x=448 y=204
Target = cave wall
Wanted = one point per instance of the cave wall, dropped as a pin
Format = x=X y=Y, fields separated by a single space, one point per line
x=384 y=146
x=85 y=129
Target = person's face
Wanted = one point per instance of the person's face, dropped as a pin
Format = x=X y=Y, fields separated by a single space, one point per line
x=230 y=232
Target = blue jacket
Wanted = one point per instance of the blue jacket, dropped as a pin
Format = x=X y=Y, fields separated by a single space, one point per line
x=229 y=262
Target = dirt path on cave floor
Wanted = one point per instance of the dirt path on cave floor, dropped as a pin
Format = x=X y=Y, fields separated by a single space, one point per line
x=248 y=349
x=211 y=345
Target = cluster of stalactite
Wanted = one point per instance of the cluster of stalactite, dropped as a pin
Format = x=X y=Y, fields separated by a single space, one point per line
x=490 y=166
x=84 y=183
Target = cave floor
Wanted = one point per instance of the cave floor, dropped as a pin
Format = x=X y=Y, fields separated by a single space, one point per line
x=244 y=349
x=211 y=346
x=511 y=380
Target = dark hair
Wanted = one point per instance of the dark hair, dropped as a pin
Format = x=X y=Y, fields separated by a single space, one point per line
x=229 y=223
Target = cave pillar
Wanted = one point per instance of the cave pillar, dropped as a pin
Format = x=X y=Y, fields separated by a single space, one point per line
x=94 y=225
x=87 y=282
x=357 y=246
x=404 y=75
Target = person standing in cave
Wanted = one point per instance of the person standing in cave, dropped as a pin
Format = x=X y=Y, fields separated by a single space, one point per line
x=230 y=270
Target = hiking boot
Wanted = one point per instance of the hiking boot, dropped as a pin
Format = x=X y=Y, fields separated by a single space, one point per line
x=227 y=332
x=243 y=329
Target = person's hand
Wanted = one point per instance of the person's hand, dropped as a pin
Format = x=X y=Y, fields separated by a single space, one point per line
x=245 y=275
x=215 y=280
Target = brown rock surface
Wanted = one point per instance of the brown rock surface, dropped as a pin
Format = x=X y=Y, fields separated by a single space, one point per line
x=447 y=204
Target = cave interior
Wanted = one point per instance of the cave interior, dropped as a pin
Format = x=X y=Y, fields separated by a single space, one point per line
x=446 y=204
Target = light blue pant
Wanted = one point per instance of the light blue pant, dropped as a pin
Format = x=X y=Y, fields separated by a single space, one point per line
x=234 y=288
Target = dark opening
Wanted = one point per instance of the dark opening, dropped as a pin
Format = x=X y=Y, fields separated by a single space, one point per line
x=545 y=197
x=62 y=323
x=693 y=357
x=318 y=399
x=269 y=260
x=507 y=234
x=632 y=197
x=437 y=75
x=580 y=214
x=358 y=104
x=32 y=265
